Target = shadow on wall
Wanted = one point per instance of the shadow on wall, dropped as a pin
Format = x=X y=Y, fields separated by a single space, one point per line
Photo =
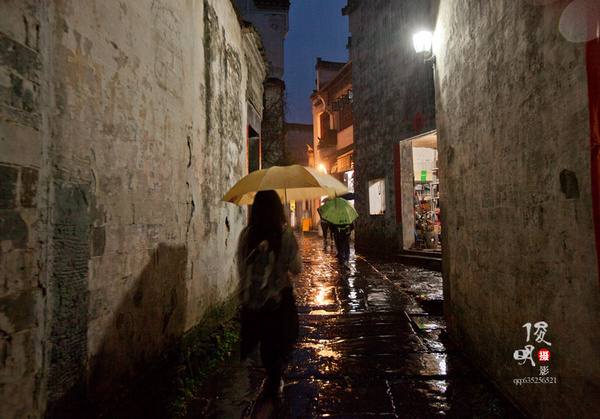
x=148 y=323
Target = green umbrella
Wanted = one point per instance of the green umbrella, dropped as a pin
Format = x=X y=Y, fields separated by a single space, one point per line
x=338 y=211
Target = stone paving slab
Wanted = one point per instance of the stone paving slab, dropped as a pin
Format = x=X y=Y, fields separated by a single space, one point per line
x=371 y=345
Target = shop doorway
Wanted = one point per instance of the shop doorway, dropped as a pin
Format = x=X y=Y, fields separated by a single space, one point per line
x=420 y=193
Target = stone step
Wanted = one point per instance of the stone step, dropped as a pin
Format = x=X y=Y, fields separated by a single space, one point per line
x=424 y=260
x=422 y=252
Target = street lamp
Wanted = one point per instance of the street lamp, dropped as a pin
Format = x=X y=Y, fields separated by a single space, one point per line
x=423 y=44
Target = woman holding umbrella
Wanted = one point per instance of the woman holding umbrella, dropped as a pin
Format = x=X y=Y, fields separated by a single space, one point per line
x=267 y=252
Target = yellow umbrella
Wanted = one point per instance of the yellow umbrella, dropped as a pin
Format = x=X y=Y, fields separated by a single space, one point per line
x=292 y=183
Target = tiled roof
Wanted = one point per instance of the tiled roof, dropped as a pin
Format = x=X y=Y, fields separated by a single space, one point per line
x=330 y=65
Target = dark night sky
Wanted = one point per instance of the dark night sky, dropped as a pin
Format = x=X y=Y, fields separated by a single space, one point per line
x=316 y=29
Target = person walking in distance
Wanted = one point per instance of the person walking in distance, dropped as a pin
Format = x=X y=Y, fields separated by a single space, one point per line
x=267 y=253
x=341 y=234
x=326 y=227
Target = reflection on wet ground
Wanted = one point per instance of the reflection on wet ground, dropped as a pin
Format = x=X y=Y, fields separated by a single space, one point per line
x=372 y=343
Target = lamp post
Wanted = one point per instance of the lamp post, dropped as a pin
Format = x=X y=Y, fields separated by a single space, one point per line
x=422 y=42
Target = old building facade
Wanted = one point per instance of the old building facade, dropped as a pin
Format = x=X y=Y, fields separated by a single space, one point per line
x=514 y=110
x=270 y=17
x=298 y=143
x=121 y=126
x=333 y=119
x=333 y=125
x=393 y=90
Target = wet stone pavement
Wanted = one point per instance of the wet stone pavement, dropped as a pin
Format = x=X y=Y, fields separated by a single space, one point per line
x=372 y=344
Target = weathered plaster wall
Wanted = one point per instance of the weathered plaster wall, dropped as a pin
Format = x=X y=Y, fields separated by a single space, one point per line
x=408 y=188
x=345 y=138
x=515 y=191
x=122 y=124
x=391 y=85
x=256 y=58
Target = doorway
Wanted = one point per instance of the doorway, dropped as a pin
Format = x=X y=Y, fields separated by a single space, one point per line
x=422 y=228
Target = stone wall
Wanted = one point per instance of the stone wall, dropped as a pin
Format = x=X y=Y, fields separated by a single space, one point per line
x=513 y=129
x=272 y=129
x=21 y=122
x=391 y=85
x=121 y=126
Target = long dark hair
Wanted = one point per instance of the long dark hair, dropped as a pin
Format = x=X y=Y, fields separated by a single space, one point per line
x=267 y=218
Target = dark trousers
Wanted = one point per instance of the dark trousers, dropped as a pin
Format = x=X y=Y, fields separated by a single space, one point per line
x=276 y=329
x=342 y=244
x=327 y=229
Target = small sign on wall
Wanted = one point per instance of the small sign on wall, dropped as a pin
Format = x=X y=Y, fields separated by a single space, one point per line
x=377 y=197
x=424 y=175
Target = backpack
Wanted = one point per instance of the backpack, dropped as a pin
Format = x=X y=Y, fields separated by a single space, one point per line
x=260 y=279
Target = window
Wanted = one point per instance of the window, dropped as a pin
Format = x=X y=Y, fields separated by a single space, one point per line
x=346 y=118
x=328 y=137
x=325 y=124
x=377 y=197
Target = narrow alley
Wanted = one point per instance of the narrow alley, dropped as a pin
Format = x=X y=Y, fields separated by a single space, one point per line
x=135 y=136
x=372 y=344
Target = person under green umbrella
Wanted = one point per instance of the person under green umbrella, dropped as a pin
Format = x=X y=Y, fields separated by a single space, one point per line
x=341 y=215
x=338 y=211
